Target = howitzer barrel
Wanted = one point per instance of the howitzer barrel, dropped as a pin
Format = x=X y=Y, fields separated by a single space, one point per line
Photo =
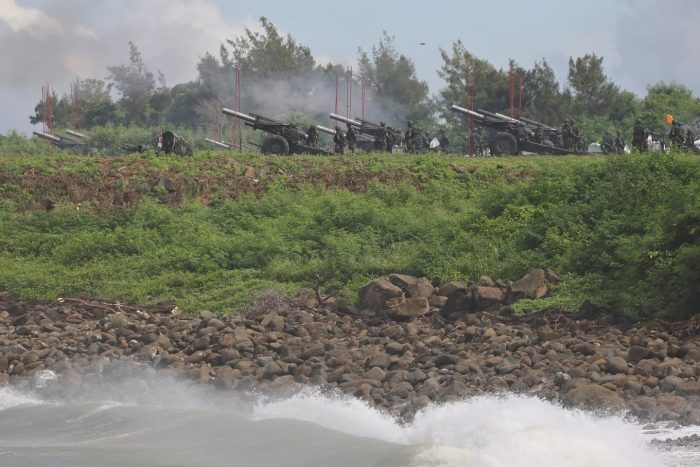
x=325 y=130
x=76 y=134
x=507 y=118
x=241 y=115
x=536 y=123
x=221 y=144
x=348 y=121
x=52 y=138
x=464 y=111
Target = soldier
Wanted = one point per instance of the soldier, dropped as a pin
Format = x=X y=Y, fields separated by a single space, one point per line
x=444 y=142
x=312 y=136
x=577 y=141
x=619 y=143
x=410 y=138
x=380 y=138
x=390 y=139
x=675 y=136
x=538 y=136
x=608 y=145
x=690 y=141
x=351 y=137
x=339 y=140
x=566 y=134
x=639 y=136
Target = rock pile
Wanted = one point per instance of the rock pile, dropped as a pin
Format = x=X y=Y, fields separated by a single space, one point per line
x=407 y=345
x=402 y=297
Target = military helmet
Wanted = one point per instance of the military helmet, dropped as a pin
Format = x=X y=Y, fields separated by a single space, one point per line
x=382 y=124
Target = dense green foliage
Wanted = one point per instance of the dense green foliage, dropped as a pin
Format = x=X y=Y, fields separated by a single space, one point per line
x=623 y=232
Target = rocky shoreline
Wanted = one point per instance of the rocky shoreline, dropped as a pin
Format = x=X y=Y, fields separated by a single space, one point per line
x=408 y=345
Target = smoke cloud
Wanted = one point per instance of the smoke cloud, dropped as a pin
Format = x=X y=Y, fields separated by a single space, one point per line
x=56 y=42
x=657 y=41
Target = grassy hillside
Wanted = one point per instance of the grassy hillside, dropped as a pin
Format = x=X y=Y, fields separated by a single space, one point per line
x=213 y=230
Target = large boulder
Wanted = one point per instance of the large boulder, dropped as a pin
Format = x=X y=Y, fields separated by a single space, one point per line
x=532 y=285
x=405 y=309
x=594 y=397
x=485 y=297
x=413 y=286
x=451 y=287
x=374 y=294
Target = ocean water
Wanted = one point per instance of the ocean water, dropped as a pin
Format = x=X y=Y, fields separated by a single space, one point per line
x=160 y=421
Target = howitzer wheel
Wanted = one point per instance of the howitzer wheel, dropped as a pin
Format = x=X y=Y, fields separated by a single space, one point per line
x=504 y=144
x=275 y=144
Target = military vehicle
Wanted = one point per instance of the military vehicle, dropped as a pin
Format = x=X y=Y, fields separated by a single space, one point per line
x=508 y=136
x=282 y=138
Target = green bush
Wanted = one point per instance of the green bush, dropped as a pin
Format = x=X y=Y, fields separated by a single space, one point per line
x=622 y=231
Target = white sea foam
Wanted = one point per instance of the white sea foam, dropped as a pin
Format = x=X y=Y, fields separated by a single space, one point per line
x=483 y=431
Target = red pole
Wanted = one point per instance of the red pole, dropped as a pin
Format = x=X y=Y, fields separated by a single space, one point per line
x=49 y=116
x=238 y=103
x=520 y=97
x=347 y=94
x=363 y=100
x=350 y=100
x=234 y=121
x=43 y=108
x=510 y=91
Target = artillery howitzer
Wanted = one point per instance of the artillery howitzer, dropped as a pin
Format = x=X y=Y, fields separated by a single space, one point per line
x=366 y=131
x=64 y=142
x=510 y=136
x=364 y=141
x=283 y=138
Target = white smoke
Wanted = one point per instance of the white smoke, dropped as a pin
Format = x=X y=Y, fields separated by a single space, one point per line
x=79 y=38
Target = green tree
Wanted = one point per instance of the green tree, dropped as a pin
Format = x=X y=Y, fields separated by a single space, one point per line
x=668 y=99
x=136 y=86
x=491 y=84
x=268 y=54
x=594 y=94
x=542 y=97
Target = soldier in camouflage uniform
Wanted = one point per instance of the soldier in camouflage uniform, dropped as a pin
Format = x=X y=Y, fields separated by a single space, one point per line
x=409 y=138
x=608 y=144
x=675 y=136
x=380 y=138
x=351 y=137
x=566 y=134
x=639 y=137
x=339 y=141
x=690 y=141
x=444 y=142
x=577 y=140
x=312 y=136
x=390 y=139
x=619 y=143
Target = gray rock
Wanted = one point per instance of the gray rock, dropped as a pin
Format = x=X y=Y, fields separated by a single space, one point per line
x=616 y=365
x=532 y=285
x=595 y=397
x=374 y=294
x=637 y=353
x=451 y=287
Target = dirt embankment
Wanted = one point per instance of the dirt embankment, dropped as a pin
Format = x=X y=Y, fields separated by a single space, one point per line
x=111 y=183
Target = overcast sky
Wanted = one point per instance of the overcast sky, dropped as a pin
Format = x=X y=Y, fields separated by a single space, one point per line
x=643 y=41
